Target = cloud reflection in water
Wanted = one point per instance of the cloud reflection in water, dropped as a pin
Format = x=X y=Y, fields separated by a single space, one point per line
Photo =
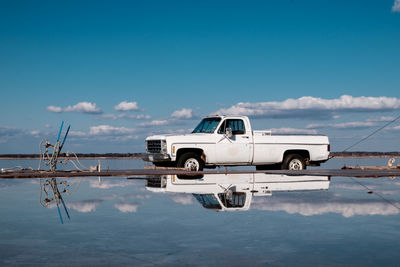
x=309 y=208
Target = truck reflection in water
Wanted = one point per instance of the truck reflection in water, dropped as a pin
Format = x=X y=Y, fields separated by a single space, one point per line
x=234 y=192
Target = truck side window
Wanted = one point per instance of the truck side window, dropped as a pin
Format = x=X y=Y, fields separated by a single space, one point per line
x=236 y=125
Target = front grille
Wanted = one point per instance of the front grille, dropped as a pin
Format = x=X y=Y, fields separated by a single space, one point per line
x=156 y=182
x=153 y=146
x=153 y=182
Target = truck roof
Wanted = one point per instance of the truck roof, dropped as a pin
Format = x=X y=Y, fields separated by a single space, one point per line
x=225 y=116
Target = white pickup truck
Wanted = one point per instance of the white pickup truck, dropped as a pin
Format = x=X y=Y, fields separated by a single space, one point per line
x=230 y=141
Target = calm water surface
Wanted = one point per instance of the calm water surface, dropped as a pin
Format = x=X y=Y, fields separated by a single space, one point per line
x=119 y=221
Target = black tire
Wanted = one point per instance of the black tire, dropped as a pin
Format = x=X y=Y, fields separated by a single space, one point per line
x=268 y=167
x=191 y=161
x=294 y=162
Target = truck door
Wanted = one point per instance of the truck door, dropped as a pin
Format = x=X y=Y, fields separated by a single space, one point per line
x=236 y=149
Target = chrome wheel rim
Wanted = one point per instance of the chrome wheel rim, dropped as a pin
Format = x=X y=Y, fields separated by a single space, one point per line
x=192 y=164
x=295 y=164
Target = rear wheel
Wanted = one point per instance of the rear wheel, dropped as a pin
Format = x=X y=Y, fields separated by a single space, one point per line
x=190 y=161
x=293 y=162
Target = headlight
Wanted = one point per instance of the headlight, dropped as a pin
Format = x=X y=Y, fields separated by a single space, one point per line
x=163 y=146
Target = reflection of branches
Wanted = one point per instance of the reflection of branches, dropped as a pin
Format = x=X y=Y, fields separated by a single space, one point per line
x=51 y=191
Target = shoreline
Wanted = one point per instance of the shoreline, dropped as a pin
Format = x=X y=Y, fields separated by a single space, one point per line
x=79 y=155
x=357 y=154
x=18 y=158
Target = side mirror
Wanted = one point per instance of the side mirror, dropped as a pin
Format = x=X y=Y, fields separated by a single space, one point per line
x=228 y=132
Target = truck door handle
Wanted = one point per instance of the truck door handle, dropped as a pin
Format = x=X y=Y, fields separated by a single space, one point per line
x=245 y=137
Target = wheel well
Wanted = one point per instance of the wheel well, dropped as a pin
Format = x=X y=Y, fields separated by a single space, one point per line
x=304 y=153
x=197 y=151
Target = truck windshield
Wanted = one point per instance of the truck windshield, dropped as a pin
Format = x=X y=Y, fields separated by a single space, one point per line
x=207 y=125
x=208 y=201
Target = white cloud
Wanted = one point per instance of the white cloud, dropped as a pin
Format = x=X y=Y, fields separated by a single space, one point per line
x=126 y=116
x=344 y=125
x=82 y=107
x=139 y=117
x=154 y=123
x=308 y=208
x=110 y=130
x=84 y=206
x=127 y=106
x=313 y=107
x=396 y=6
x=382 y=119
x=111 y=116
x=77 y=133
x=171 y=131
x=388 y=192
x=293 y=131
x=106 y=133
x=35 y=132
x=184 y=199
x=7 y=133
x=126 y=207
x=135 y=196
x=54 y=109
x=125 y=138
x=107 y=184
x=184 y=113
x=349 y=186
x=370 y=122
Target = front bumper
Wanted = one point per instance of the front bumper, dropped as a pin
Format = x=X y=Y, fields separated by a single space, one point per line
x=156 y=157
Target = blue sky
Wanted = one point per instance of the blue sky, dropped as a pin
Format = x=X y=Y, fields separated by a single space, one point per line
x=171 y=62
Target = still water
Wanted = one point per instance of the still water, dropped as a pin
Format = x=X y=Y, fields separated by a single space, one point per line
x=213 y=220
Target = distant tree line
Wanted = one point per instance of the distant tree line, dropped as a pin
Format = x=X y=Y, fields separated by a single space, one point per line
x=364 y=154
x=356 y=154
x=80 y=155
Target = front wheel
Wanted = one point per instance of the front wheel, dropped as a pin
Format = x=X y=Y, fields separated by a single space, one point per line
x=294 y=162
x=190 y=161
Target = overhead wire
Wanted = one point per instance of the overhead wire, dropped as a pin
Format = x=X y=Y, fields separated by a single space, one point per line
x=373 y=133
x=363 y=139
